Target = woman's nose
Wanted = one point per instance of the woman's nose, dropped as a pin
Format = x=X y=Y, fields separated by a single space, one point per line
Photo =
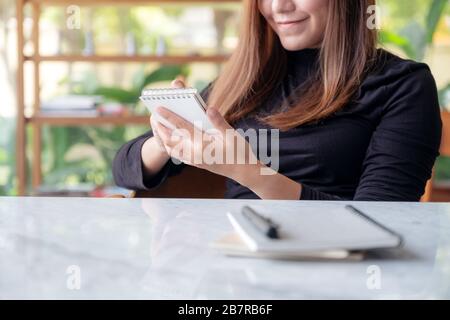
x=283 y=6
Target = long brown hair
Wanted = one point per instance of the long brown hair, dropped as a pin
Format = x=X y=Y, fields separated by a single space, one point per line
x=259 y=62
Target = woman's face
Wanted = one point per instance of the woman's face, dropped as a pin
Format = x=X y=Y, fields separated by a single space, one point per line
x=300 y=24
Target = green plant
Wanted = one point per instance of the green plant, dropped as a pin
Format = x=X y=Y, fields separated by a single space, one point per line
x=444 y=96
x=414 y=38
x=140 y=81
x=7 y=156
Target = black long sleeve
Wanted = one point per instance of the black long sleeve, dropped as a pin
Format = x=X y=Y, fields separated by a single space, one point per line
x=128 y=167
x=380 y=147
x=404 y=145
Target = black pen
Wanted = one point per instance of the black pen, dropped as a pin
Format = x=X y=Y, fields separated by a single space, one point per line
x=265 y=225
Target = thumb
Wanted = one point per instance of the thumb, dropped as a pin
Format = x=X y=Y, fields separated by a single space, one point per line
x=217 y=119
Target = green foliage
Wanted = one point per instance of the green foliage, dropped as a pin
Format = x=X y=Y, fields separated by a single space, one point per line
x=444 y=95
x=117 y=94
x=7 y=156
x=442 y=169
x=435 y=13
x=81 y=155
x=413 y=37
x=140 y=81
x=387 y=37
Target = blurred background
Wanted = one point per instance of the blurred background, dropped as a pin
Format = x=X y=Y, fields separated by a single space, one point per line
x=93 y=62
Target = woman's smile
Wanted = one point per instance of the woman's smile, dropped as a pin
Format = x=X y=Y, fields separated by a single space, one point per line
x=291 y=25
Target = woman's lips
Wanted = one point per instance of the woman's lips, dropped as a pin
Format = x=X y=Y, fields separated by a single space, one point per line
x=287 y=25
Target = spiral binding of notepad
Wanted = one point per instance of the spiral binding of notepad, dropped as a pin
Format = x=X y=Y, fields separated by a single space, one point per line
x=170 y=93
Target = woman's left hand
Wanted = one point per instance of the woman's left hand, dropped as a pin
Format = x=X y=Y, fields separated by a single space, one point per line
x=222 y=151
x=225 y=152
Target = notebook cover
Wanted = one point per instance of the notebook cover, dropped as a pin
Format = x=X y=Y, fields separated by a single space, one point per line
x=232 y=245
x=315 y=230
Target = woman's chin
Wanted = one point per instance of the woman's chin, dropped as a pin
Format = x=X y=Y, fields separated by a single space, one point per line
x=295 y=44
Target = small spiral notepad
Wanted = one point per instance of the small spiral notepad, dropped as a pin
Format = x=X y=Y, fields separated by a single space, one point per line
x=187 y=103
x=305 y=231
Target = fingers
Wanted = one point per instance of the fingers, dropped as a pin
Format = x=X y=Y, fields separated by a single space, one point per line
x=164 y=136
x=154 y=126
x=153 y=122
x=179 y=143
x=178 y=83
x=169 y=137
x=173 y=143
x=164 y=133
x=217 y=120
x=176 y=120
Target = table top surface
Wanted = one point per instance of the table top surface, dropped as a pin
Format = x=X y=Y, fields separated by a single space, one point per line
x=77 y=248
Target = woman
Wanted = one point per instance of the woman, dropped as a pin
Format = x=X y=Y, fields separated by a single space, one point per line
x=356 y=122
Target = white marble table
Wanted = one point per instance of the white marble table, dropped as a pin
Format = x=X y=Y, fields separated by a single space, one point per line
x=158 y=249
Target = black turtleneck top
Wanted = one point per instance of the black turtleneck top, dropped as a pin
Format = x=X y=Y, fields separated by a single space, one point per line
x=381 y=147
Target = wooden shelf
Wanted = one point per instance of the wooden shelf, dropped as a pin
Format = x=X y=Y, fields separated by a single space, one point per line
x=89 y=121
x=37 y=121
x=125 y=2
x=125 y=58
